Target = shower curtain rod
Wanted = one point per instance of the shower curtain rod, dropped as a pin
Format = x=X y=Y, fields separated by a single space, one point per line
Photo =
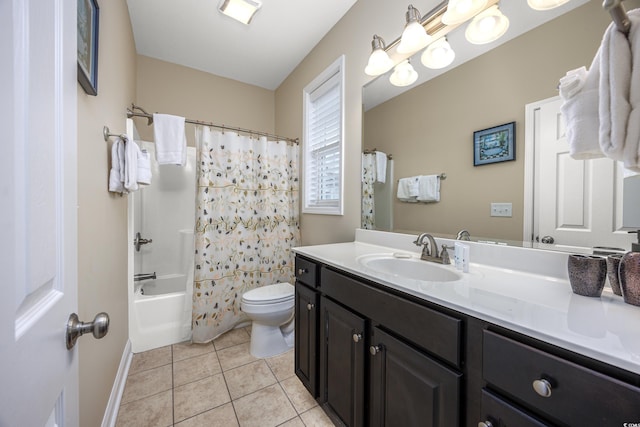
x=149 y=117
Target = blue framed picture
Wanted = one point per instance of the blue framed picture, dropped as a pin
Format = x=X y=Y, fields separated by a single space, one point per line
x=493 y=145
x=88 y=19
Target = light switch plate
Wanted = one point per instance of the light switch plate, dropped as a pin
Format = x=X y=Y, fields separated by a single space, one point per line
x=501 y=209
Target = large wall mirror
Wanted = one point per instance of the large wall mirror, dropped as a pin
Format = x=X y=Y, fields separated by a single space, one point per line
x=429 y=130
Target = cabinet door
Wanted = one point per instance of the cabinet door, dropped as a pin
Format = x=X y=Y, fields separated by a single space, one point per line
x=306 y=337
x=342 y=358
x=408 y=388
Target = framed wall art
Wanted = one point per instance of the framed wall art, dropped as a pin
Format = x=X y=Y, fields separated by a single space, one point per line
x=494 y=145
x=88 y=18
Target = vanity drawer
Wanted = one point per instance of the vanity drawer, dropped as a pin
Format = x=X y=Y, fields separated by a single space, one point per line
x=306 y=272
x=502 y=414
x=436 y=332
x=577 y=396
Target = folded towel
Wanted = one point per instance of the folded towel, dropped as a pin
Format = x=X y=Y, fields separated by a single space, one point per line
x=171 y=142
x=571 y=84
x=116 y=174
x=131 y=151
x=381 y=167
x=615 y=82
x=144 y=167
x=428 y=188
x=580 y=113
x=408 y=189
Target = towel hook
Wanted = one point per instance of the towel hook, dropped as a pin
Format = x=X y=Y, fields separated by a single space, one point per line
x=107 y=134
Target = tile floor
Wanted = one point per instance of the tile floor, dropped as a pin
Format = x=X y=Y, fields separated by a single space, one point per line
x=216 y=384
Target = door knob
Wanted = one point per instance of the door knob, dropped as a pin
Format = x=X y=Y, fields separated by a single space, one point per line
x=547 y=240
x=75 y=328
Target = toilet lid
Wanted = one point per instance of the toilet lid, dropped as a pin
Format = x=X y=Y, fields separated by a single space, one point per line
x=270 y=293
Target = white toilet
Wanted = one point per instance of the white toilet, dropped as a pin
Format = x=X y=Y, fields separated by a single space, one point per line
x=271 y=309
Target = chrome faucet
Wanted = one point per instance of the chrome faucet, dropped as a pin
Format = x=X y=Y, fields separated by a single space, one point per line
x=463 y=235
x=430 y=249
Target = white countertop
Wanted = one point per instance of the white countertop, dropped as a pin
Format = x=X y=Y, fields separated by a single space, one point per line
x=524 y=290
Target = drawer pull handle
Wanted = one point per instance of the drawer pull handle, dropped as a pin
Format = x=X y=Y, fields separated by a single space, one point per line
x=374 y=349
x=310 y=306
x=301 y=271
x=357 y=337
x=485 y=424
x=542 y=387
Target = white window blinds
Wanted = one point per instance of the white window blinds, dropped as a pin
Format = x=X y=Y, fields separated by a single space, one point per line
x=323 y=143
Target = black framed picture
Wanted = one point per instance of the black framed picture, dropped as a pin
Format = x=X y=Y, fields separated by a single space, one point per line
x=88 y=18
x=493 y=145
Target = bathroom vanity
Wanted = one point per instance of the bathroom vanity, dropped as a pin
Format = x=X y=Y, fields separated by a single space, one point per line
x=507 y=344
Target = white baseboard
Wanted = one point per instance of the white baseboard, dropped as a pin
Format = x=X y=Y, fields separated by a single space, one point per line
x=111 y=413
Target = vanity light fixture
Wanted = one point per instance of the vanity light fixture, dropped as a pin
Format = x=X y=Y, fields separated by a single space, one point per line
x=414 y=37
x=403 y=74
x=379 y=61
x=487 y=26
x=240 y=10
x=459 y=11
x=545 y=4
x=438 y=54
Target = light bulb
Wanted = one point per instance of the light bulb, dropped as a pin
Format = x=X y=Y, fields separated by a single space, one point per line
x=487 y=26
x=414 y=37
x=545 y=4
x=403 y=74
x=459 y=11
x=438 y=54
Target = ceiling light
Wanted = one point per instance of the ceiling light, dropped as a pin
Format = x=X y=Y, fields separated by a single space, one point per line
x=487 y=26
x=414 y=37
x=240 y=10
x=403 y=74
x=459 y=11
x=545 y=4
x=438 y=54
x=379 y=61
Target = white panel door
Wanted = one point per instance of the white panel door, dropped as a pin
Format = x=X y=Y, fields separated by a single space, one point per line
x=579 y=202
x=38 y=255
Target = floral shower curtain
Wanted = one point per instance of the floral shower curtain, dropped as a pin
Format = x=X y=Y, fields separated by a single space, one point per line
x=247 y=221
x=368 y=179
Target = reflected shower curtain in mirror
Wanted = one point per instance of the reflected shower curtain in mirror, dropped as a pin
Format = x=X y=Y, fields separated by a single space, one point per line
x=247 y=221
x=368 y=179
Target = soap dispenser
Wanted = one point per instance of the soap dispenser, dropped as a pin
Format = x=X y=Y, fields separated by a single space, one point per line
x=635 y=247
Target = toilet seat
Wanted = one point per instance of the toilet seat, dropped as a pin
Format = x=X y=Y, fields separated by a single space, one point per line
x=270 y=294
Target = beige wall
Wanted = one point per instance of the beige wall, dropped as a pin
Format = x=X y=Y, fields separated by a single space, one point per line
x=429 y=129
x=173 y=89
x=102 y=226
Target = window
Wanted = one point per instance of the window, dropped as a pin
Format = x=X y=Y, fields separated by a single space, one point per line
x=323 y=142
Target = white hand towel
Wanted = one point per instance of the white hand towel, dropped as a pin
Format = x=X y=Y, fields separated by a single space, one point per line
x=144 y=167
x=131 y=165
x=116 y=173
x=571 y=84
x=408 y=189
x=428 y=188
x=615 y=83
x=381 y=167
x=580 y=113
x=631 y=154
x=171 y=142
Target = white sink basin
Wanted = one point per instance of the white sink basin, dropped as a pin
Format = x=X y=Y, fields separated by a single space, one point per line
x=410 y=268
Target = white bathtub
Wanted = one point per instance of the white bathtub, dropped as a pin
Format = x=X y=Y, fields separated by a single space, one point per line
x=161 y=313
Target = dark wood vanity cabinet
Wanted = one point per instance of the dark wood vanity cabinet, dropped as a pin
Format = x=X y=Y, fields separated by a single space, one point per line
x=307 y=301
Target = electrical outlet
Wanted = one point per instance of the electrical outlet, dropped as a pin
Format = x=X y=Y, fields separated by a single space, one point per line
x=501 y=209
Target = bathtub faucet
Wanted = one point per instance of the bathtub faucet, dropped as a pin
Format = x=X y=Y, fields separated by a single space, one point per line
x=144 y=276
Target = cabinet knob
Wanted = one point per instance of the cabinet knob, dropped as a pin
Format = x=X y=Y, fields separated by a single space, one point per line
x=357 y=337
x=542 y=387
x=485 y=424
x=301 y=271
x=310 y=306
x=374 y=349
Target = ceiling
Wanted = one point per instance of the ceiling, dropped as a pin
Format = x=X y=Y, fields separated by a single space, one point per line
x=195 y=34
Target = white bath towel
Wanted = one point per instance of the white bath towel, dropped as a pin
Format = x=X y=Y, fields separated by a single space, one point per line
x=631 y=154
x=171 y=142
x=428 y=188
x=615 y=84
x=116 y=174
x=131 y=151
x=580 y=112
x=381 y=167
x=144 y=167
x=408 y=189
